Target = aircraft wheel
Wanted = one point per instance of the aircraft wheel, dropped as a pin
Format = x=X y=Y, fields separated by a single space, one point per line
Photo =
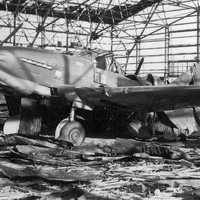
x=70 y=131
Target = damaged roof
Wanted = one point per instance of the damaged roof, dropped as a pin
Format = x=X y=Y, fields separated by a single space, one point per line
x=111 y=14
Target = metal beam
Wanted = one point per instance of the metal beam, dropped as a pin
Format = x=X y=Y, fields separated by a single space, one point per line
x=12 y=34
x=150 y=15
x=40 y=28
x=113 y=16
x=198 y=34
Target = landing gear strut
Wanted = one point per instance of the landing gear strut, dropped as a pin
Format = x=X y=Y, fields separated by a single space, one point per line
x=70 y=130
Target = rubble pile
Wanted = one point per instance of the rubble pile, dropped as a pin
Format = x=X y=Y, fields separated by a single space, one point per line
x=45 y=168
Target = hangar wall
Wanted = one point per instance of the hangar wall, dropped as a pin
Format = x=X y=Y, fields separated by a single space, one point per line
x=165 y=33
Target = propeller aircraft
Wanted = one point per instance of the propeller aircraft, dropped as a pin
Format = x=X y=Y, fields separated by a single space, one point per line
x=65 y=91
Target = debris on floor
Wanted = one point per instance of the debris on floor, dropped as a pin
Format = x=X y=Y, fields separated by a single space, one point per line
x=45 y=168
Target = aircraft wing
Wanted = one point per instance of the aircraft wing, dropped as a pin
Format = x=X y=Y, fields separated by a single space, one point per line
x=143 y=98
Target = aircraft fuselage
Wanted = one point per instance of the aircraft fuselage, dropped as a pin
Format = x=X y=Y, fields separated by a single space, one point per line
x=25 y=69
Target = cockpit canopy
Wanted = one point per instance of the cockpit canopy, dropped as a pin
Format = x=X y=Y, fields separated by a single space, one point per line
x=107 y=62
x=104 y=59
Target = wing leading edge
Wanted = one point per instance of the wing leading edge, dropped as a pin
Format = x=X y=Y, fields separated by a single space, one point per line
x=143 y=98
x=134 y=98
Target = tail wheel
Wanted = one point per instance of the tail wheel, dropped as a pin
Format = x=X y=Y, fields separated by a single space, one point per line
x=70 y=131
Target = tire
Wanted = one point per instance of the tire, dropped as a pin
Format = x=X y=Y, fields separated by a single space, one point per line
x=72 y=132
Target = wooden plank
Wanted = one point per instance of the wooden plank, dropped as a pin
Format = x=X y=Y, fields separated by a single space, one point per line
x=50 y=173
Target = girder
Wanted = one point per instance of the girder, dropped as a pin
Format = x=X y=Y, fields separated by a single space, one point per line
x=112 y=16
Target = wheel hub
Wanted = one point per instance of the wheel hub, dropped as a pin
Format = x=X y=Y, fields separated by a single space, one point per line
x=70 y=131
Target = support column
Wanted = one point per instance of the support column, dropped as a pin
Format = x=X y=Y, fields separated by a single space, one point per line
x=42 y=30
x=138 y=49
x=14 y=24
x=167 y=46
x=198 y=33
x=111 y=46
x=67 y=34
x=111 y=39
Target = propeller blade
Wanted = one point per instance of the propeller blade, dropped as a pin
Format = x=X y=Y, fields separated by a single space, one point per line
x=139 y=66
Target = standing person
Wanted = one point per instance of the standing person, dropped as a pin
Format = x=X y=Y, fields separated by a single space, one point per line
x=196 y=72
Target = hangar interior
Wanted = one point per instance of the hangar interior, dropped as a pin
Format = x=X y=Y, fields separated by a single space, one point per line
x=129 y=153
x=164 y=32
